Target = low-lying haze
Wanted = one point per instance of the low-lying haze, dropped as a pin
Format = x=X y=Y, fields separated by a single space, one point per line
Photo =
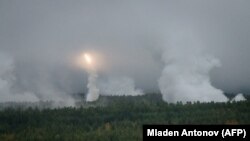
x=170 y=47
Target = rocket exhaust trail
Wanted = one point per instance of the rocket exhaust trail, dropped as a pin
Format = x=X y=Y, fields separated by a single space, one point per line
x=93 y=91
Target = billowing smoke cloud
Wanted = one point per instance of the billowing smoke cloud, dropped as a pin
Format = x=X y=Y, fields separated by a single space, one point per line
x=43 y=93
x=43 y=36
x=119 y=86
x=185 y=76
x=93 y=91
x=238 y=97
x=7 y=79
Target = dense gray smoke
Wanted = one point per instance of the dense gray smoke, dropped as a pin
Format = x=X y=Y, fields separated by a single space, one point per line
x=119 y=86
x=9 y=94
x=172 y=47
x=185 y=76
x=238 y=97
x=93 y=91
x=7 y=79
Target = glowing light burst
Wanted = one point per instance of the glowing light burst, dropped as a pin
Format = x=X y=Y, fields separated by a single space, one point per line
x=88 y=58
x=89 y=61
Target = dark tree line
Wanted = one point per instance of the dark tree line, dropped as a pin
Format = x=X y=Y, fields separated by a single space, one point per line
x=116 y=119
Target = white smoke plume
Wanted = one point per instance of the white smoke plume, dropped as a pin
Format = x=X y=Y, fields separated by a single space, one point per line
x=90 y=64
x=6 y=82
x=120 y=86
x=238 y=97
x=93 y=91
x=185 y=76
x=44 y=92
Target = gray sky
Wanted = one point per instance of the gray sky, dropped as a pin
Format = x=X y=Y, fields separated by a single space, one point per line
x=42 y=36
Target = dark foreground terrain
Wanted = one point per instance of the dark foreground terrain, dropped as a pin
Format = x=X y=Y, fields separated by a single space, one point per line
x=113 y=119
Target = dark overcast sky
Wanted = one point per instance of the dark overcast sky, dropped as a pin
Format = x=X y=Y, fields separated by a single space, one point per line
x=43 y=35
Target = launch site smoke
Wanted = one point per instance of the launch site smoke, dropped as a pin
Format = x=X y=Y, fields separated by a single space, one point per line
x=187 y=50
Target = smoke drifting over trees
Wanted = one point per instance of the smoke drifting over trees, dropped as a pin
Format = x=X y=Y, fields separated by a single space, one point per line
x=185 y=76
x=122 y=86
x=187 y=50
